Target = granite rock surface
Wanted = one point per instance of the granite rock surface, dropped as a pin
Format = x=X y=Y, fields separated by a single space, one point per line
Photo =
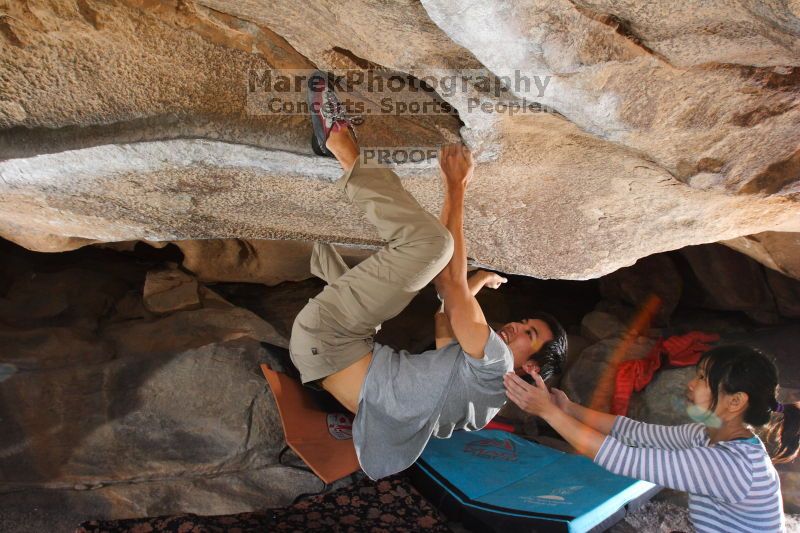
x=659 y=127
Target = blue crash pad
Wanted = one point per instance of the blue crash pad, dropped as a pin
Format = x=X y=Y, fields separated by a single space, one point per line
x=506 y=483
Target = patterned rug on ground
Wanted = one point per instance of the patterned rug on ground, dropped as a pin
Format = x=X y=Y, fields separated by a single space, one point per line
x=389 y=505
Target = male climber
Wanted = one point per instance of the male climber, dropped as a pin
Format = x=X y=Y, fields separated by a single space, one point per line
x=400 y=399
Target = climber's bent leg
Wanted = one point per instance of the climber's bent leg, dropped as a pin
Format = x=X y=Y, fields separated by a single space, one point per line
x=335 y=329
x=326 y=263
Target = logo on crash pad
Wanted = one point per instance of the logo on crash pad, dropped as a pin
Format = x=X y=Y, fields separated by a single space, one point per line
x=561 y=494
x=499 y=449
x=340 y=426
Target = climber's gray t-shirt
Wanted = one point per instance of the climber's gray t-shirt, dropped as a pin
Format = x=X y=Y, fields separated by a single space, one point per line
x=407 y=397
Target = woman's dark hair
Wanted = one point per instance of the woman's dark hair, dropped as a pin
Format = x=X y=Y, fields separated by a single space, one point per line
x=553 y=353
x=740 y=368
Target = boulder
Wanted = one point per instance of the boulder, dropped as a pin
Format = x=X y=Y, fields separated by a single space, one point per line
x=623 y=154
x=110 y=410
x=663 y=401
x=729 y=281
x=625 y=313
x=598 y=325
x=721 y=322
x=575 y=345
x=120 y=404
x=124 y=433
x=171 y=290
x=775 y=250
x=33 y=510
x=590 y=380
x=267 y=262
x=191 y=329
x=278 y=306
x=655 y=275
x=786 y=292
x=61 y=296
x=6 y=371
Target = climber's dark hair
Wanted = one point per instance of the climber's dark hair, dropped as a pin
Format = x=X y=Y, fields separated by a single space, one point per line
x=553 y=354
x=740 y=368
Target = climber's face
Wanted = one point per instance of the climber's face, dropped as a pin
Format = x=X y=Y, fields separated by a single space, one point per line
x=524 y=339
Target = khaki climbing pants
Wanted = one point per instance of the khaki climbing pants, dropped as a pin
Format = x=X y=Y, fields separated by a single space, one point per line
x=336 y=328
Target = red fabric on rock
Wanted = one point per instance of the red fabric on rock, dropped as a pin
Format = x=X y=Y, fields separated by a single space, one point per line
x=680 y=350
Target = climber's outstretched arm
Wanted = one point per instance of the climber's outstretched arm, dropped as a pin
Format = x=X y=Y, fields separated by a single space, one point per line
x=466 y=319
x=462 y=309
x=477 y=281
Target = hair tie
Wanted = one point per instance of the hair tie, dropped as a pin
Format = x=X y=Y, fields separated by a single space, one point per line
x=778 y=407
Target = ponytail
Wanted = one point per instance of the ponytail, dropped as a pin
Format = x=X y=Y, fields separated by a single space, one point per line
x=785 y=432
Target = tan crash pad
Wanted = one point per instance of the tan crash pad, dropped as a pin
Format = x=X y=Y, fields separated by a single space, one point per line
x=310 y=431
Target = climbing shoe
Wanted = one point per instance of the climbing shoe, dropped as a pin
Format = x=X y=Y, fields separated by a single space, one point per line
x=326 y=110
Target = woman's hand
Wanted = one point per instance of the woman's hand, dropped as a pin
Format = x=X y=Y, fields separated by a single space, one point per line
x=534 y=398
x=560 y=399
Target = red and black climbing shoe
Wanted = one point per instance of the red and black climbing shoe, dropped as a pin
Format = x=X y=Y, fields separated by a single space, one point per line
x=326 y=110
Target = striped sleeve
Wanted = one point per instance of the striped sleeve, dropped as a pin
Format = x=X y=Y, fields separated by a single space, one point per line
x=709 y=471
x=635 y=433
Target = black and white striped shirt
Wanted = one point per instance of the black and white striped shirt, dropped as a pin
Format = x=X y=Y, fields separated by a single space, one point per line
x=732 y=485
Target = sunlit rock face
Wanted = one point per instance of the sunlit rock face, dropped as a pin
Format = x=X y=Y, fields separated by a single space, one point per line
x=665 y=126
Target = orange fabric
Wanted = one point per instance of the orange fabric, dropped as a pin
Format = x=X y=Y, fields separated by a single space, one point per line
x=306 y=429
x=680 y=350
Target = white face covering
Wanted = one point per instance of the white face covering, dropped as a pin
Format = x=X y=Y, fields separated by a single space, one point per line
x=704 y=416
